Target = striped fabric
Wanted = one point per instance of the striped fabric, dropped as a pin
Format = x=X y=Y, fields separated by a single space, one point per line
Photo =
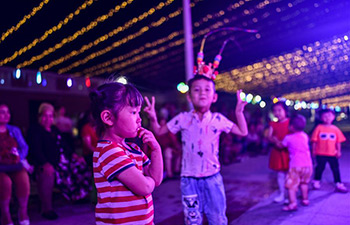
x=116 y=204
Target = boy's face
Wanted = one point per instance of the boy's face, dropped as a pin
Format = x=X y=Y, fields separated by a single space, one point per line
x=202 y=94
x=327 y=118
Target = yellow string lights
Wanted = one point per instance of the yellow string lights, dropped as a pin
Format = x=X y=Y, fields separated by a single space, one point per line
x=305 y=66
x=47 y=33
x=23 y=20
x=115 y=44
x=112 y=33
x=78 y=33
x=320 y=92
x=341 y=101
x=90 y=71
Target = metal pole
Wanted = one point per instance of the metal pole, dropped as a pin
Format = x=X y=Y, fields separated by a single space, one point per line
x=188 y=38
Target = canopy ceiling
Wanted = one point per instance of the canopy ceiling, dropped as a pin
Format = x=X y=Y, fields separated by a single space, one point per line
x=143 y=40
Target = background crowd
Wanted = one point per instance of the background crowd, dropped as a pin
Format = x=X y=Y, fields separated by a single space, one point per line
x=55 y=154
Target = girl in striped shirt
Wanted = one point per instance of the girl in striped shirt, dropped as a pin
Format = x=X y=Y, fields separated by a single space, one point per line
x=124 y=175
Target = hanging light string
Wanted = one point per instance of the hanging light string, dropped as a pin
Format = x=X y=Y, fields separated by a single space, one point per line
x=78 y=33
x=90 y=71
x=109 y=48
x=305 y=65
x=113 y=45
x=47 y=33
x=83 y=30
x=320 y=92
x=23 y=20
x=341 y=101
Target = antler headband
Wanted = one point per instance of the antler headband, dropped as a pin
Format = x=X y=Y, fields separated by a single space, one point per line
x=209 y=70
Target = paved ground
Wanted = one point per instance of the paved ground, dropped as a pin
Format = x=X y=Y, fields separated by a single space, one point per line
x=250 y=188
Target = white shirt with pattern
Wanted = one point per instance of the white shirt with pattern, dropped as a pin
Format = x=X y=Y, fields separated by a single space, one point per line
x=200 y=141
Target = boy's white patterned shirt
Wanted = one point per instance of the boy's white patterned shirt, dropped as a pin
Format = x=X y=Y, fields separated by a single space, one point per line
x=200 y=141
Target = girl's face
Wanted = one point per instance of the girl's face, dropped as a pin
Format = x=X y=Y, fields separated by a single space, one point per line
x=46 y=119
x=4 y=114
x=128 y=122
x=278 y=112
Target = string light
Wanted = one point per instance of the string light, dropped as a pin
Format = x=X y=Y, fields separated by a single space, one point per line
x=320 y=92
x=99 y=40
x=78 y=33
x=341 y=101
x=153 y=52
x=110 y=47
x=38 y=77
x=47 y=33
x=23 y=20
x=305 y=65
x=18 y=74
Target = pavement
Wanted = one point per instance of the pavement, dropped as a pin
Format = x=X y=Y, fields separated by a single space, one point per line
x=250 y=188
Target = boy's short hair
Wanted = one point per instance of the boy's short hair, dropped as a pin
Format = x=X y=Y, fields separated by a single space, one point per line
x=199 y=77
x=298 y=122
x=323 y=111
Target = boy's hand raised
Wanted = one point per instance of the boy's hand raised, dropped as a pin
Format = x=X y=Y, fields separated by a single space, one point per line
x=240 y=103
x=150 y=109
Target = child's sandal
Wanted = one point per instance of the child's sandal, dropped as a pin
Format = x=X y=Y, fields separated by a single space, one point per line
x=290 y=207
x=305 y=202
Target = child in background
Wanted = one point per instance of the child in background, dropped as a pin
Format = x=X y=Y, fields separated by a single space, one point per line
x=300 y=163
x=171 y=152
x=279 y=159
x=124 y=175
x=201 y=183
x=326 y=146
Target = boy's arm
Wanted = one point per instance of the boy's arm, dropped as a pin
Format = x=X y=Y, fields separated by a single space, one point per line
x=241 y=128
x=155 y=169
x=152 y=115
x=313 y=149
x=338 y=149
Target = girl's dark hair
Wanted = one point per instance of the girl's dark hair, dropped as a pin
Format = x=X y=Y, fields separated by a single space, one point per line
x=284 y=106
x=112 y=96
x=298 y=122
x=323 y=111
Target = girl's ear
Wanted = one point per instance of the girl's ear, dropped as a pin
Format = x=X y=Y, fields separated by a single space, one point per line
x=107 y=117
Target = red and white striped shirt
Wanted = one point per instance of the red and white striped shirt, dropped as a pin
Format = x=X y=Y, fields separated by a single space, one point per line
x=116 y=204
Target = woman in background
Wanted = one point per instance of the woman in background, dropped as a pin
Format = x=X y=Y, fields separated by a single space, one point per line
x=13 y=151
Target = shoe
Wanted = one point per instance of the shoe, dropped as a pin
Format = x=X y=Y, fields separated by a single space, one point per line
x=286 y=201
x=24 y=222
x=316 y=184
x=279 y=198
x=290 y=207
x=340 y=187
x=50 y=215
x=305 y=202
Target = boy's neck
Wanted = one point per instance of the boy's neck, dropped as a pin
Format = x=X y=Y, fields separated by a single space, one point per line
x=201 y=111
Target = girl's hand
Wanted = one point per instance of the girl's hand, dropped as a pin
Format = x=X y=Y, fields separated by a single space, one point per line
x=240 y=103
x=149 y=139
x=150 y=109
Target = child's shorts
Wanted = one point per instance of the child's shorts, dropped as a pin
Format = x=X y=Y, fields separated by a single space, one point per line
x=298 y=175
